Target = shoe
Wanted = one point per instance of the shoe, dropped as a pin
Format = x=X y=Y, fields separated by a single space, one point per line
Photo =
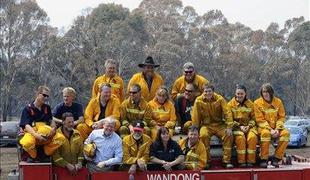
x=228 y=165
x=250 y=165
x=275 y=162
x=263 y=164
x=243 y=165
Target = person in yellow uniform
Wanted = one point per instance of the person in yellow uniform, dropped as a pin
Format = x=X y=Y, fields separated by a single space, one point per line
x=133 y=108
x=270 y=117
x=149 y=80
x=112 y=78
x=136 y=149
x=40 y=130
x=70 y=154
x=194 y=150
x=104 y=105
x=244 y=130
x=189 y=76
x=212 y=115
x=163 y=112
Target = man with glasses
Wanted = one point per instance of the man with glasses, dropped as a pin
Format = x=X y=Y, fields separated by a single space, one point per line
x=40 y=130
x=189 y=76
x=183 y=107
x=133 y=108
x=148 y=80
x=212 y=115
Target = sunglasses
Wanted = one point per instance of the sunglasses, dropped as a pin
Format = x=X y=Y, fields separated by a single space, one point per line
x=187 y=90
x=45 y=95
x=133 y=92
x=188 y=72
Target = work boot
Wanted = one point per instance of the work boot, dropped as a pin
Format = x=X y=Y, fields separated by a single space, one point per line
x=275 y=162
x=242 y=165
x=263 y=164
x=250 y=165
x=228 y=165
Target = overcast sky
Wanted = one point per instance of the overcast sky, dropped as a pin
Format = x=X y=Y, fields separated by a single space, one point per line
x=257 y=14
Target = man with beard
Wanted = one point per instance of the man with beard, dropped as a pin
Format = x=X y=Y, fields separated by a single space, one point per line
x=189 y=76
x=149 y=80
x=108 y=145
x=136 y=147
x=70 y=154
x=112 y=78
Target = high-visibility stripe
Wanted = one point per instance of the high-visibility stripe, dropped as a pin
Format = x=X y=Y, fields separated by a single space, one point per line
x=59 y=159
x=250 y=151
x=135 y=111
x=265 y=139
x=242 y=109
x=238 y=133
x=161 y=111
x=241 y=151
x=284 y=139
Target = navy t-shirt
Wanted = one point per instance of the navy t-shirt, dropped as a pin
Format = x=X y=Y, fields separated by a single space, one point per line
x=183 y=107
x=31 y=115
x=172 y=152
x=76 y=109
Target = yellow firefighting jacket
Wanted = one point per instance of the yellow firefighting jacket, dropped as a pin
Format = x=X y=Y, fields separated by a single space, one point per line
x=116 y=83
x=92 y=110
x=131 y=112
x=71 y=150
x=164 y=115
x=148 y=95
x=132 y=152
x=214 y=111
x=180 y=84
x=269 y=115
x=243 y=114
x=196 y=156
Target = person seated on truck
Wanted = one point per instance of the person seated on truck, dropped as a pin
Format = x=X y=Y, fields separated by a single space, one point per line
x=163 y=112
x=40 y=139
x=70 y=154
x=244 y=129
x=136 y=149
x=111 y=77
x=133 y=108
x=148 y=79
x=189 y=76
x=270 y=117
x=183 y=107
x=104 y=105
x=165 y=153
x=194 y=150
x=68 y=105
x=211 y=114
x=108 y=147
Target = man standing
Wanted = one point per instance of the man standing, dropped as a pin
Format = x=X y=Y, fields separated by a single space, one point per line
x=189 y=76
x=68 y=105
x=211 y=114
x=148 y=80
x=111 y=78
x=98 y=108
x=70 y=154
x=108 y=145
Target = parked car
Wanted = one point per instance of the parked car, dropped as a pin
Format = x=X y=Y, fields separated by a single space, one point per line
x=298 y=136
x=295 y=123
x=306 y=124
x=8 y=132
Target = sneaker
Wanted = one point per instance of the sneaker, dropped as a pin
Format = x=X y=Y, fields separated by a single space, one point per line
x=243 y=165
x=228 y=165
x=263 y=164
x=275 y=162
x=250 y=165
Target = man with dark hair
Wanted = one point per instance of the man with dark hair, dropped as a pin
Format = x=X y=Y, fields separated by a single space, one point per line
x=70 y=154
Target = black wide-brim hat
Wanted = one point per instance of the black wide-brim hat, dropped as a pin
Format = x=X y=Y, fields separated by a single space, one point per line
x=148 y=61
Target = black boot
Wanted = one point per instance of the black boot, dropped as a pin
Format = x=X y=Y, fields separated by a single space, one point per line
x=263 y=163
x=275 y=162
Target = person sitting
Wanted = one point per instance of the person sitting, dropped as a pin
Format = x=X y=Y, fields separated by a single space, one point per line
x=104 y=105
x=189 y=76
x=68 y=105
x=70 y=154
x=165 y=153
x=136 y=149
x=111 y=77
x=183 y=108
x=148 y=80
x=108 y=147
x=163 y=112
x=194 y=150
x=133 y=108
x=40 y=130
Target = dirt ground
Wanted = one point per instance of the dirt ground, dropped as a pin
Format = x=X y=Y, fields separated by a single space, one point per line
x=9 y=159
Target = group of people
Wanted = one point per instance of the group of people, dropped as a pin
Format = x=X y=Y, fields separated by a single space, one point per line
x=134 y=129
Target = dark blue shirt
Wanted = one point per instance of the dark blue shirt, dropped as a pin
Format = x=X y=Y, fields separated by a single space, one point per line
x=172 y=152
x=183 y=108
x=31 y=115
x=76 y=109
